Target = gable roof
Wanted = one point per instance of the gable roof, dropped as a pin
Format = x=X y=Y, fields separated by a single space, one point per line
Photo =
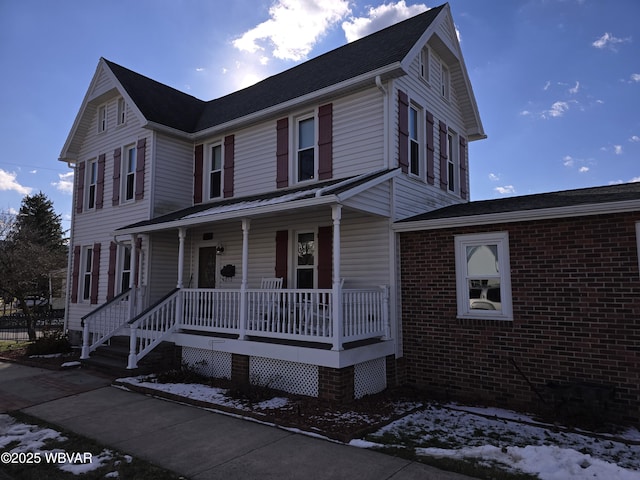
x=166 y=106
x=566 y=203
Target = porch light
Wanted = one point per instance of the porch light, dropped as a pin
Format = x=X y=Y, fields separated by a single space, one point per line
x=219 y=249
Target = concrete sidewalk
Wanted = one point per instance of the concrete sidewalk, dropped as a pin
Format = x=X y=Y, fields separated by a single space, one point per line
x=194 y=442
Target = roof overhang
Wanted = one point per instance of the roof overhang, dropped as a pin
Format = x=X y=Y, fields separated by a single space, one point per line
x=280 y=202
x=519 y=216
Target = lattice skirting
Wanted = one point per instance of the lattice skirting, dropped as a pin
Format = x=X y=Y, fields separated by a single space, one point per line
x=369 y=377
x=292 y=377
x=208 y=362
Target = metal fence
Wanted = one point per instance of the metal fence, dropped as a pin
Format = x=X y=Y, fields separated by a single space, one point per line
x=14 y=326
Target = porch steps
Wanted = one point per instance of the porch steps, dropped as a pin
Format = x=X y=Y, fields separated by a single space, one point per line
x=112 y=359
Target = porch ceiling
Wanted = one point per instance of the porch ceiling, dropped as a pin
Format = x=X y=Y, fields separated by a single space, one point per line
x=324 y=193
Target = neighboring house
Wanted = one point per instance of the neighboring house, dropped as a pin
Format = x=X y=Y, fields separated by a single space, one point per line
x=527 y=301
x=255 y=230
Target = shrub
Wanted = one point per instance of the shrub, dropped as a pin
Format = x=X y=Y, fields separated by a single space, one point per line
x=51 y=342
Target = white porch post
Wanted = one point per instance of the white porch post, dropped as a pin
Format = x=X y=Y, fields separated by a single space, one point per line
x=336 y=215
x=246 y=222
x=132 y=277
x=182 y=233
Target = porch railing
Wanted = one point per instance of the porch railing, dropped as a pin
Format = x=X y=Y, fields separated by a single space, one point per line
x=153 y=326
x=105 y=322
x=294 y=314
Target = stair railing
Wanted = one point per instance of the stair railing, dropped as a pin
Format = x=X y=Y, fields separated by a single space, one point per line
x=105 y=321
x=152 y=326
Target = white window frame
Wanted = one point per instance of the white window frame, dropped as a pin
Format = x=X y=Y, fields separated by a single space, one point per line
x=453 y=162
x=129 y=176
x=415 y=136
x=501 y=241
x=445 y=80
x=210 y=171
x=313 y=267
x=122 y=112
x=91 y=183
x=87 y=273
x=102 y=118
x=297 y=149
x=424 y=63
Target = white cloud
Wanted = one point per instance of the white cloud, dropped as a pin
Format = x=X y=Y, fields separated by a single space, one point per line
x=380 y=17
x=609 y=41
x=635 y=77
x=506 y=190
x=65 y=184
x=634 y=180
x=617 y=149
x=8 y=182
x=583 y=169
x=634 y=139
x=558 y=109
x=493 y=177
x=524 y=113
x=546 y=86
x=574 y=90
x=568 y=161
x=293 y=28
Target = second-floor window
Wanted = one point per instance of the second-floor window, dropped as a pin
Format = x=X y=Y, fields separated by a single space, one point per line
x=129 y=172
x=92 y=181
x=215 y=171
x=305 y=149
x=414 y=142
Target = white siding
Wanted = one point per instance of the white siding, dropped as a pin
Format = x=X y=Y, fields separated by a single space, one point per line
x=358 y=133
x=172 y=175
x=412 y=197
x=255 y=159
x=376 y=200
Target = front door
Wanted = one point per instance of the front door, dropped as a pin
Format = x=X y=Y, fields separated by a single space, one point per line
x=207 y=267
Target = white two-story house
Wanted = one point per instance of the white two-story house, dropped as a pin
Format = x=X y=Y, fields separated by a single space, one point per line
x=254 y=230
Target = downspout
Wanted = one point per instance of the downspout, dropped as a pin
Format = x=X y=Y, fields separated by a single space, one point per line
x=385 y=125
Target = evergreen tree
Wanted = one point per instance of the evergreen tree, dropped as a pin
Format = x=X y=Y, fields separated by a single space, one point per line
x=33 y=246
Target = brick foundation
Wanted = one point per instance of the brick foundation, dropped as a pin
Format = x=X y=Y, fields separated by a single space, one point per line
x=336 y=384
x=240 y=369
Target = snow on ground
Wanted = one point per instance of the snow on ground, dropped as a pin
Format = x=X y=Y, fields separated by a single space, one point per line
x=26 y=438
x=514 y=441
x=510 y=439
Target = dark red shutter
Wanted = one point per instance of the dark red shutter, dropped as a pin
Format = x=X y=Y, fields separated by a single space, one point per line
x=75 y=275
x=95 y=273
x=443 y=156
x=141 y=149
x=430 y=150
x=117 y=158
x=325 y=254
x=100 y=182
x=80 y=187
x=282 y=255
x=111 y=273
x=229 y=164
x=325 y=142
x=282 y=153
x=463 y=168
x=198 y=169
x=403 y=131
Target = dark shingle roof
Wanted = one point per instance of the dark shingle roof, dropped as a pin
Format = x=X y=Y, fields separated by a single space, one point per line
x=167 y=106
x=565 y=198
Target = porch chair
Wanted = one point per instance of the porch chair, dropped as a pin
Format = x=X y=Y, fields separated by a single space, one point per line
x=318 y=316
x=270 y=301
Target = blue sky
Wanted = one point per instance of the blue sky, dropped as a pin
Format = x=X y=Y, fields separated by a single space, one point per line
x=557 y=81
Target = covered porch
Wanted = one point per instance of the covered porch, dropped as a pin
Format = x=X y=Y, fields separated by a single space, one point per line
x=256 y=302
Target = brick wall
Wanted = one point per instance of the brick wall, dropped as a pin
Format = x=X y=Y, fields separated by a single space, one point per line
x=336 y=384
x=576 y=307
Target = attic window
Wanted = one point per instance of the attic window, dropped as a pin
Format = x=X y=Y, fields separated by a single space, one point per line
x=445 y=82
x=424 y=63
x=102 y=118
x=122 y=112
